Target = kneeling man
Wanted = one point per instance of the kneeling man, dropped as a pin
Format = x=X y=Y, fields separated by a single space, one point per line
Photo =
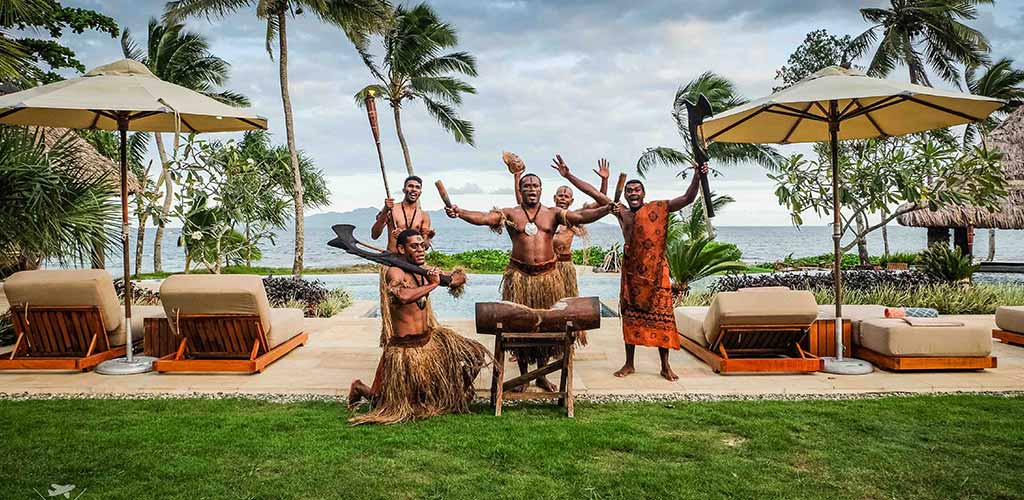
x=426 y=369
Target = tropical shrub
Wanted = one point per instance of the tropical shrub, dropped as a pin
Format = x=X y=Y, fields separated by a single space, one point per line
x=51 y=206
x=337 y=300
x=141 y=296
x=692 y=259
x=852 y=280
x=589 y=256
x=6 y=329
x=485 y=261
x=283 y=291
x=946 y=263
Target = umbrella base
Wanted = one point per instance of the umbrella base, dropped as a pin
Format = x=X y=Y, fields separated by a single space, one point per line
x=121 y=366
x=847 y=366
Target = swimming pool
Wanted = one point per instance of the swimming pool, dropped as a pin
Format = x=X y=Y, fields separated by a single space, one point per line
x=479 y=288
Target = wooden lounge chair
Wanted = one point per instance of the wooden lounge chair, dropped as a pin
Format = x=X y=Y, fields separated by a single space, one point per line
x=1010 y=325
x=67 y=319
x=225 y=324
x=752 y=330
x=896 y=345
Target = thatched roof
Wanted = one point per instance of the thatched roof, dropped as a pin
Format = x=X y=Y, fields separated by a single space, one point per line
x=90 y=159
x=1009 y=139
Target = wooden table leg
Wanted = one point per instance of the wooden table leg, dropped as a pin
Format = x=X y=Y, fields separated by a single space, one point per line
x=565 y=355
x=570 y=347
x=498 y=377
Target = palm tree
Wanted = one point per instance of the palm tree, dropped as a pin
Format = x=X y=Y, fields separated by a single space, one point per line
x=722 y=94
x=355 y=17
x=690 y=260
x=1002 y=81
x=413 y=67
x=919 y=32
x=182 y=58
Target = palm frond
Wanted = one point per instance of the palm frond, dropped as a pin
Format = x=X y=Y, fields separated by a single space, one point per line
x=663 y=156
x=461 y=130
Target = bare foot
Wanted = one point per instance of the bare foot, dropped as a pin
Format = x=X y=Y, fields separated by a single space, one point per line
x=669 y=375
x=625 y=370
x=356 y=392
x=546 y=385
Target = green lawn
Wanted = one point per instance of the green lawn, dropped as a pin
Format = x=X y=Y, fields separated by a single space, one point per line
x=920 y=447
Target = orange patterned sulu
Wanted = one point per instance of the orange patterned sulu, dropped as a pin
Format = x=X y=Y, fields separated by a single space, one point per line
x=645 y=299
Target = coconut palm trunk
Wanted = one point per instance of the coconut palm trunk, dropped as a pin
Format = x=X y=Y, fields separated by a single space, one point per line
x=140 y=240
x=289 y=128
x=396 y=107
x=165 y=177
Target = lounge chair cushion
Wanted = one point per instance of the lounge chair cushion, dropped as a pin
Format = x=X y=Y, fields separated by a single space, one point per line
x=1010 y=318
x=781 y=307
x=285 y=324
x=139 y=315
x=215 y=294
x=763 y=289
x=690 y=323
x=67 y=287
x=896 y=337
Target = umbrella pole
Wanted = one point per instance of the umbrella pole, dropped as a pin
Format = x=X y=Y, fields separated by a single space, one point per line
x=837 y=233
x=123 y=129
x=839 y=365
x=130 y=364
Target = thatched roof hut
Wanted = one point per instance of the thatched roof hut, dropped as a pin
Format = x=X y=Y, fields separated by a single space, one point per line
x=88 y=157
x=1009 y=139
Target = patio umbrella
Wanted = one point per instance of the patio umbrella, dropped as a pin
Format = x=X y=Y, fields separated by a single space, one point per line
x=122 y=96
x=838 y=103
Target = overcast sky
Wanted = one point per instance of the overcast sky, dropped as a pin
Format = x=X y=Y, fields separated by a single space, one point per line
x=587 y=79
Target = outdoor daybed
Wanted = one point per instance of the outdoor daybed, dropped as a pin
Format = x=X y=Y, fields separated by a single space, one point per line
x=68 y=319
x=752 y=330
x=1010 y=323
x=225 y=324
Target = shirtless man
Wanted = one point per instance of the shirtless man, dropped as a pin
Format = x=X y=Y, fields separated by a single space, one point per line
x=396 y=219
x=406 y=215
x=426 y=369
x=645 y=296
x=531 y=278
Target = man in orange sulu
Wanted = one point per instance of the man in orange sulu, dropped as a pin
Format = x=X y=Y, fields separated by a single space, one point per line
x=645 y=296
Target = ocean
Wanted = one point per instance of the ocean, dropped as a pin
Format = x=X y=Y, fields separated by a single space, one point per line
x=758 y=244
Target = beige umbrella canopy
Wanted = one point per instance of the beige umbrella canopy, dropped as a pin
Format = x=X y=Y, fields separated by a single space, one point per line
x=839 y=103
x=866 y=107
x=123 y=95
x=125 y=88
x=1008 y=138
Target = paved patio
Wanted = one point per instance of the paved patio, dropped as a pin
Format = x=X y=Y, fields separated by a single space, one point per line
x=345 y=347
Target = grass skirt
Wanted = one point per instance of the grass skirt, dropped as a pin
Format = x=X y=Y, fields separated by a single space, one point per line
x=421 y=382
x=537 y=291
x=568 y=271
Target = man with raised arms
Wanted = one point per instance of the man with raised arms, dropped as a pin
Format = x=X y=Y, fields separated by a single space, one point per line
x=531 y=278
x=426 y=369
x=645 y=294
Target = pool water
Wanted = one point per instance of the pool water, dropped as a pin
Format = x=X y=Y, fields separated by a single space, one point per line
x=479 y=288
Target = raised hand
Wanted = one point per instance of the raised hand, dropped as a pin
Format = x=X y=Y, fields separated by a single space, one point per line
x=433 y=276
x=458 y=278
x=559 y=164
x=603 y=168
x=618 y=208
x=452 y=212
x=389 y=203
x=703 y=169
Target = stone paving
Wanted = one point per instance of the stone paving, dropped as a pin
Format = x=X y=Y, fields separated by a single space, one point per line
x=345 y=347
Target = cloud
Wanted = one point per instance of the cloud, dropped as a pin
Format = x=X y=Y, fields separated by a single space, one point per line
x=468 y=188
x=584 y=78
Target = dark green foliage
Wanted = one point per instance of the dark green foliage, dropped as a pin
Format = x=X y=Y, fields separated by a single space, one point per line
x=482 y=261
x=694 y=259
x=852 y=280
x=50 y=206
x=946 y=263
x=819 y=50
x=923 y=447
x=29 y=61
x=7 y=336
x=281 y=291
x=590 y=256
